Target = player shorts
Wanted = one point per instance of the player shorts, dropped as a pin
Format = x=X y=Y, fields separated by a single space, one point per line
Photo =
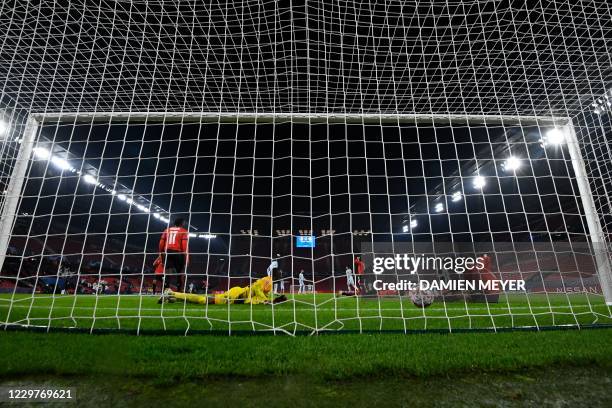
x=174 y=260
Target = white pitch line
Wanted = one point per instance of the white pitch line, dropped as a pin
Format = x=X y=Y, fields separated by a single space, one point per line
x=319 y=309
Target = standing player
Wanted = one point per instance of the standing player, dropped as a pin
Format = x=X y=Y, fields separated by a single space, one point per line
x=483 y=274
x=159 y=274
x=302 y=288
x=360 y=269
x=350 y=280
x=173 y=247
x=281 y=283
x=273 y=264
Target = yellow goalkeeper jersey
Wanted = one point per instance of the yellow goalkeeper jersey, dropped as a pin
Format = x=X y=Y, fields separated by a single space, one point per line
x=258 y=292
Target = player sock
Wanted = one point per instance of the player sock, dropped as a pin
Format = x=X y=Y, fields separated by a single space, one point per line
x=190 y=297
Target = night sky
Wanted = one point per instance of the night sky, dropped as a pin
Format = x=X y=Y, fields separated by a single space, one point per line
x=251 y=185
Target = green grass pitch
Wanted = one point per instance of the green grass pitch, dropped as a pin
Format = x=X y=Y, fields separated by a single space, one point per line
x=547 y=368
x=518 y=368
x=303 y=313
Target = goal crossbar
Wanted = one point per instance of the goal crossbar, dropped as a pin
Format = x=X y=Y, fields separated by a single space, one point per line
x=272 y=117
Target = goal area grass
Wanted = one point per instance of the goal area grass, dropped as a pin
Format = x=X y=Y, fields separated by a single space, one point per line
x=514 y=368
x=304 y=313
x=335 y=368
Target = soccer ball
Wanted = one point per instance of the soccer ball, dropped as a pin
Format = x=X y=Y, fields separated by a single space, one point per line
x=422 y=298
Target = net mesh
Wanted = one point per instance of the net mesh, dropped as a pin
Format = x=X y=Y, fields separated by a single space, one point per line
x=370 y=128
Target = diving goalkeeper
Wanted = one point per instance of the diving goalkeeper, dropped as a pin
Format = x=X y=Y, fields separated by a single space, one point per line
x=259 y=292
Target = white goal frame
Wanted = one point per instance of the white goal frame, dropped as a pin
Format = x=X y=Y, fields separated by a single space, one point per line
x=36 y=120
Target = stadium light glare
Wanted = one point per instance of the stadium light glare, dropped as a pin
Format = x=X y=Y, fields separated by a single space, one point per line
x=142 y=208
x=439 y=207
x=61 y=163
x=41 y=153
x=555 y=137
x=207 y=236
x=413 y=224
x=457 y=196
x=602 y=104
x=512 y=163
x=89 y=179
x=479 y=182
x=4 y=127
x=405 y=228
x=192 y=235
x=156 y=215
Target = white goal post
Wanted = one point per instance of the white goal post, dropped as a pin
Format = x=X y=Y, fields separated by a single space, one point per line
x=35 y=120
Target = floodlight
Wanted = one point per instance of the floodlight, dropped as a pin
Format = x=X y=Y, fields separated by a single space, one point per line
x=61 y=163
x=479 y=182
x=555 y=136
x=4 y=127
x=41 y=153
x=89 y=179
x=512 y=164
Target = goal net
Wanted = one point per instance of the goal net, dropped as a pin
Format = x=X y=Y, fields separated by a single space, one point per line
x=390 y=166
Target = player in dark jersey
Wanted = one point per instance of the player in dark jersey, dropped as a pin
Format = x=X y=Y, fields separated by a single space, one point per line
x=173 y=248
x=360 y=275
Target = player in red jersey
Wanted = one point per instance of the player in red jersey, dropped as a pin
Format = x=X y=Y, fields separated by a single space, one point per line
x=359 y=276
x=159 y=273
x=483 y=274
x=173 y=248
x=360 y=272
